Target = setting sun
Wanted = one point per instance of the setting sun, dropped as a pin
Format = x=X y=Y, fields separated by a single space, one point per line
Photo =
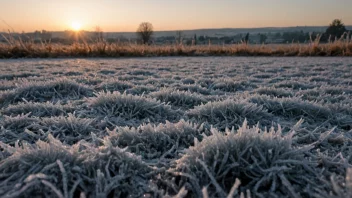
x=76 y=25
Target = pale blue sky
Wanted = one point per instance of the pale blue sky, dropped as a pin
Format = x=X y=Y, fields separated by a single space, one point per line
x=125 y=15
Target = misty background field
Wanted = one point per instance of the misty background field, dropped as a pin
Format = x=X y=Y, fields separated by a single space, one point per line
x=183 y=127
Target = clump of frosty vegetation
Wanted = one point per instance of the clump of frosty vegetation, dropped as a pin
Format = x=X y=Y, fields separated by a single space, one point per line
x=229 y=85
x=69 y=129
x=188 y=81
x=270 y=91
x=194 y=89
x=275 y=80
x=342 y=115
x=205 y=82
x=294 y=108
x=131 y=78
x=45 y=91
x=265 y=162
x=115 y=85
x=341 y=187
x=89 y=80
x=7 y=85
x=158 y=142
x=177 y=98
x=73 y=73
x=263 y=75
x=295 y=85
x=230 y=113
x=130 y=108
x=336 y=90
x=137 y=72
x=35 y=109
x=141 y=89
x=53 y=169
x=18 y=75
x=312 y=112
x=312 y=95
x=319 y=95
x=15 y=129
x=107 y=72
x=319 y=79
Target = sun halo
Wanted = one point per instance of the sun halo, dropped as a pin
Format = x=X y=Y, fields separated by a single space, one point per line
x=76 y=26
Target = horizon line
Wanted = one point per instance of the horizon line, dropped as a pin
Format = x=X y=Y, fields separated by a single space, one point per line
x=171 y=30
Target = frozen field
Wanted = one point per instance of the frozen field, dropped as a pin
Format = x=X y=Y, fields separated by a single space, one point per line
x=184 y=127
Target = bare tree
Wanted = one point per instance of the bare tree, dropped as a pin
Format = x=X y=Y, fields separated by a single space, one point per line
x=145 y=32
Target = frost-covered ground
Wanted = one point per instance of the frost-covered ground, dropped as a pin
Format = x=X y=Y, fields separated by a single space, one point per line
x=162 y=127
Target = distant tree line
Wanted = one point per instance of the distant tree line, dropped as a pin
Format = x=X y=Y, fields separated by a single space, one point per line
x=335 y=31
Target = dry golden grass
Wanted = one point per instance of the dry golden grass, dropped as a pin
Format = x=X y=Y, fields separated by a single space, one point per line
x=19 y=49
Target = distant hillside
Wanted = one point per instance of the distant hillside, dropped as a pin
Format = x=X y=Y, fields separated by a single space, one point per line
x=225 y=31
